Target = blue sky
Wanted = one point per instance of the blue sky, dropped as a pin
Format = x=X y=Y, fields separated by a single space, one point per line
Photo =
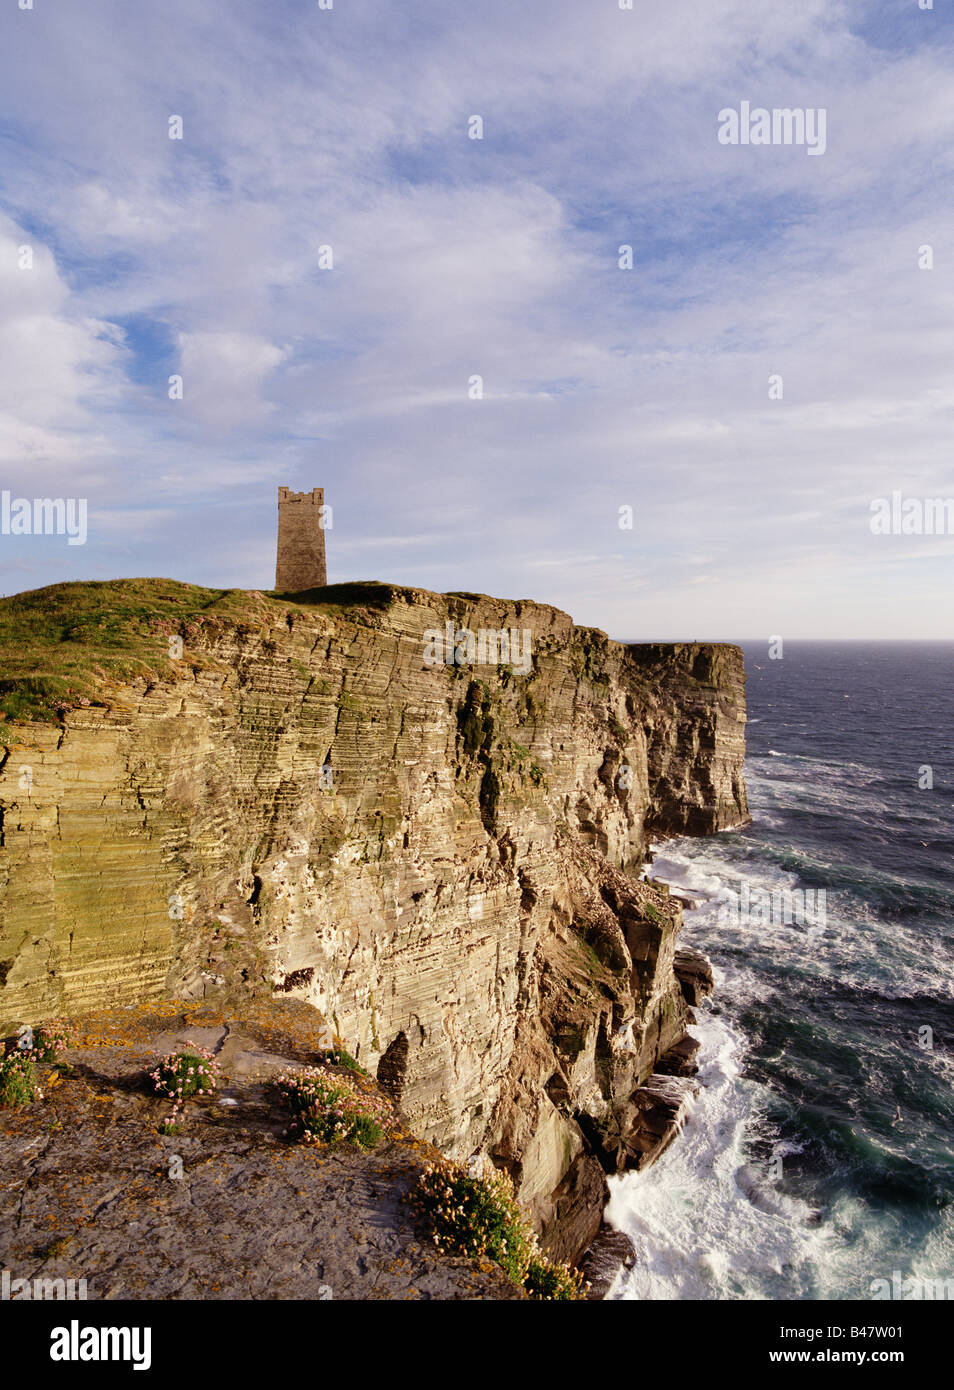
x=456 y=257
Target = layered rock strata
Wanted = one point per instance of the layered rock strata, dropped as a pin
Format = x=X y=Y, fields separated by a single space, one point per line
x=441 y=858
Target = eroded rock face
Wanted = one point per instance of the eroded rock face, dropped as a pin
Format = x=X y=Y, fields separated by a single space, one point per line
x=661 y=1106
x=694 y=973
x=440 y=858
x=610 y=1253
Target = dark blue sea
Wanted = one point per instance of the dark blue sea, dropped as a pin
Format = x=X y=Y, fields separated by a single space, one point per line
x=818 y=1158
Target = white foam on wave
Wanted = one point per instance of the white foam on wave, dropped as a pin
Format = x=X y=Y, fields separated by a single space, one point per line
x=794 y=790
x=707 y=1222
x=851 y=944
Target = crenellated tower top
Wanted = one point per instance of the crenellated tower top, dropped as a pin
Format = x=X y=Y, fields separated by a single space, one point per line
x=301 y=540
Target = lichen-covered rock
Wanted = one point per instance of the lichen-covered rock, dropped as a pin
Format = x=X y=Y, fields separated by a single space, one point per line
x=225 y=1207
x=438 y=857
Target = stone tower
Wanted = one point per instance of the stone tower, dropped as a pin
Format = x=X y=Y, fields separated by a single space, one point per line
x=301 y=540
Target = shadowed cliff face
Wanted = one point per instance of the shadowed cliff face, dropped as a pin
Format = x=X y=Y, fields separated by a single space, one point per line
x=431 y=855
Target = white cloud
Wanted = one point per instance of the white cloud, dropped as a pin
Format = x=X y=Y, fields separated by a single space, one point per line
x=58 y=368
x=498 y=258
x=224 y=375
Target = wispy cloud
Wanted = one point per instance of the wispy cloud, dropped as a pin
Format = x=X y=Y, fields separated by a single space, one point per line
x=497 y=258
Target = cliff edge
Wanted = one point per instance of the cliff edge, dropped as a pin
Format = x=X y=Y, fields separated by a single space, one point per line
x=223 y=796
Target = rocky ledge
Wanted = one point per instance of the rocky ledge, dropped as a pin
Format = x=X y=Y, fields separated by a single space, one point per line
x=226 y=1209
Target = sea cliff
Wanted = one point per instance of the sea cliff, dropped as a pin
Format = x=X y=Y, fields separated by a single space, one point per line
x=224 y=797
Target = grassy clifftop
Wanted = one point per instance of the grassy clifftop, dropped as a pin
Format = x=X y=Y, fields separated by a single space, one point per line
x=62 y=646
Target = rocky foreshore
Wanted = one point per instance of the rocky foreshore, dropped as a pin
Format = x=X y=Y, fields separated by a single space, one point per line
x=659 y=1109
